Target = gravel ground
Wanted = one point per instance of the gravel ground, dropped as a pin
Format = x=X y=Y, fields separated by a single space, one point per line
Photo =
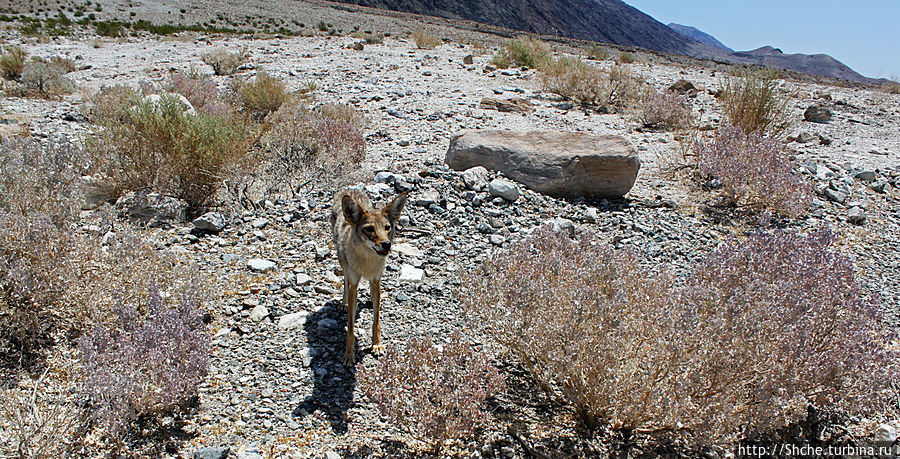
x=277 y=386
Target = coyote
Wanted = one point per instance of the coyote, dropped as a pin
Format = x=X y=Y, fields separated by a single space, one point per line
x=363 y=237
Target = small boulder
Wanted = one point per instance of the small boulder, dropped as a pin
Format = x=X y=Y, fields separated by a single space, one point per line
x=409 y=273
x=259 y=313
x=856 y=215
x=219 y=452
x=293 y=320
x=817 y=114
x=183 y=102
x=475 y=178
x=504 y=188
x=684 y=87
x=886 y=433
x=152 y=207
x=557 y=163
x=261 y=265
x=212 y=222
x=514 y=105
x=469 y=59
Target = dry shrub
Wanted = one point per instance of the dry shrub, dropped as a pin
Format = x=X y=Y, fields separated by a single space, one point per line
x=434 y=392
x=110 y=104
x=890 y=87
x=425 y=41
x=523 y=52
x=261 y=96
x=754 y=102
x=776 y=322
x=665 y=110
x=200 y=90
x=148 y=364
x=44 y=80
x=163 y=148
x=325 y=145
x=224 y=62
x=39 y=421
x=626 y=58
x=753 y=172
x=63 y=63
x=12 y=62
x=574 y=79
x=600 y=53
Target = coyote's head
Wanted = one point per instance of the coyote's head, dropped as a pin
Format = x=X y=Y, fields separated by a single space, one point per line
x=376 y=228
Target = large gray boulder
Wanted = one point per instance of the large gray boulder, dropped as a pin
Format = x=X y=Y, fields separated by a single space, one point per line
x=556 y=163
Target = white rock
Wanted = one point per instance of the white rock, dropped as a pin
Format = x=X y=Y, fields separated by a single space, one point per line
x=259 y=313
x=293 y=320
x=407 y=249
x=261 y=265
x=303 y=279
x=885 y=433
x=409 y=273
x=475 y=178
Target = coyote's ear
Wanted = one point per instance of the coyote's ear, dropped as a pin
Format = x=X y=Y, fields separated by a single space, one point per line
x=352 y=211
x=392 y=209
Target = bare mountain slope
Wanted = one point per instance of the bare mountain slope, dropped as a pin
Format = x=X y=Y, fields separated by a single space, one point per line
x=610 y=21
x=698 y=35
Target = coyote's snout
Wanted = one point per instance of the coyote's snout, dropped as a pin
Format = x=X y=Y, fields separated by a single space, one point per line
x=363 y=238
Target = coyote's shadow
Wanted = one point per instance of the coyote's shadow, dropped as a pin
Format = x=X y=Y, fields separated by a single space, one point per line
x=333 y=383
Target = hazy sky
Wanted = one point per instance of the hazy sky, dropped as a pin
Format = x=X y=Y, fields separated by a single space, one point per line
x=864 y=34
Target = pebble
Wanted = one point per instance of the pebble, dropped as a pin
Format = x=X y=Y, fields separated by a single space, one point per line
x=261 y=265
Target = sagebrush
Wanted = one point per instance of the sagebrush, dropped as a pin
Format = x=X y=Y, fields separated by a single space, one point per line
x=754 y=172
x=12 y=62
x=434 y=392
x=425 y=41
x=159 y=146
x=777 y=322
x=260 y=96
x=201 y=91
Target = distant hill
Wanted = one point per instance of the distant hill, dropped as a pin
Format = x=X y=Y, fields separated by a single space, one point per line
x=612 y=21
x=813 y=64
x=698 y=35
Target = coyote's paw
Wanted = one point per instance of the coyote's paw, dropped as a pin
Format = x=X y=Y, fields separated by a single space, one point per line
x=349 y=358
x=378 y=349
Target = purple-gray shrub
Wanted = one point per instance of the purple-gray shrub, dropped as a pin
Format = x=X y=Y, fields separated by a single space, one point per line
x=434 y=392
x=760 y=330
x=201 y=91
x=753 y=172
x=148 y=365
x=664 y=110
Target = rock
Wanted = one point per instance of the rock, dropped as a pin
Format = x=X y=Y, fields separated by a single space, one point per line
x=261 y=265
x=358 y=46
x=866 y=176
x=152 y=207
x=817 y=114
x=497 y=239
x=95 y=194
x=179 y=99
x=556 y=163
x=210 y=221
x=885 y=433
x=294 y=320
x=469 y=59
x=514 y=105
x=426 y=198
x=563 y=225
x=331 y=455
x=878 y=186
x=409 y=273
x=835 y=196
x=302 y=279
x=684 y=87
x=856 y=215
x=259 y=313
x=385 y=177
x=220 y=452
x=475 y=178
x=803 y=137
x=259 y=223
x=504 y=189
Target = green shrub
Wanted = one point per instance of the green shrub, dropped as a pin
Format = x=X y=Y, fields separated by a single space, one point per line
x=161 y=147
x=261 y=96
x=626 y=58
x=600 y=53
x=45 y=80
x=12 y=62
x=523 y=52
x=425 y=41
x=753 y=102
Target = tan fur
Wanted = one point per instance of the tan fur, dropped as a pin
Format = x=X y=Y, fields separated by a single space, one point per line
x=359 y=232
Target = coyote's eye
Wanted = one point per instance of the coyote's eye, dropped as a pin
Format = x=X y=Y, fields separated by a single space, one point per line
x=387 y=228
